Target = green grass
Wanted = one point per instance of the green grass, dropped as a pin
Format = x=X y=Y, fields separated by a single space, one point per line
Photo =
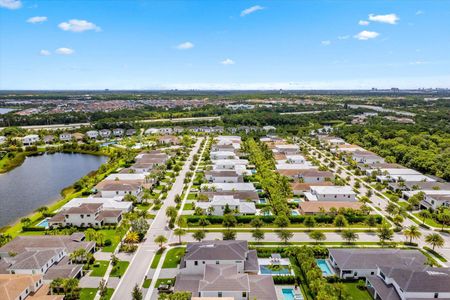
x=147 y=283
x=160 y=281
x=188 y=206
x=440 y=257
x=430 y=222
x=192 y=196
x=356 y=293
x=143 y=206
x=156 y=259
x=100 y=270
x=173 y=257
x=110 y=234
x=119 y=269
x=89 y=293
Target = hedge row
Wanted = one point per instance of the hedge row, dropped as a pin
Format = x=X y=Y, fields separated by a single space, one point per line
x=284 y=279
x=269 y=219
x=33 y=229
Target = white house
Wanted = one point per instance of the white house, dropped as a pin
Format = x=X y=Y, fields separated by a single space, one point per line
x=287 y=148
x=34 y=261
x=223 y=176
x=166 y=130
x=228 y=164
x=301 y=166
x=105 y=133
x=30 y=139
x=330 y=193
x=114 y=188
x=215 y=155
x=118 y=132
x=218 y=204
x=269 y=128
x=86 y=215
x=108 y=203
x=126 y=176
x=366 y=157
x=65 y=137
x=92 y=134
x=2 y=139
x=295 y=159
x=240 y=186
x=151 y=131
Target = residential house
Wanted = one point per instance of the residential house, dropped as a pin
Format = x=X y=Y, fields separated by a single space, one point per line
x=219 y=204
x=169 y=140
x=316 y=207
x=2 y=139
x=216 y=155
x=86 y=215
x=238 y=186
x=130 y=132
x=48 y=139
x=228 y=164
x=366 y=157
x=242 y=195
x=92 y=134
x=24 y=287
x=30 y=139
x=402 y=175
x=223 y=176
x=118 y=132
x=331 y=193
x=78 y=136
x=105 y=133
x=286 y=149
x=151 y=131
x=166 y=130
x=65 y=137
x=34 y=261
x=299 y=188
x=113 y=188
x=435 y=199
x=108 y=203
x=308 y=175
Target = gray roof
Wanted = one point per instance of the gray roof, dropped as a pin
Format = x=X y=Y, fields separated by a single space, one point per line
x=242 y=195
x=351 y=259
x=251 y=264
x=428 y=280
x=24 y=243
x=63 y=271
x=187 y=282
x=223 y=278
x=222 y=173
x=35 y=259
x=262 y=287
x=216 y=250
x=386 y=292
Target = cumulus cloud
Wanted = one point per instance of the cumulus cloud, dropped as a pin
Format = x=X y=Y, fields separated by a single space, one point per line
x=388 y=19
x=185 y=46
x=251 y=10
x=44 y=52
x=75 y=25
x=227 y=61
x=11 y=4
x=343 y=37
x=37 y=19
x=363 y=22
x=64 y=51
x=366 y=35
x=326 y=43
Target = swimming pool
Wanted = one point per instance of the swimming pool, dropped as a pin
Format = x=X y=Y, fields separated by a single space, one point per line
x=266 y=270
x=323 y=265
x=262 y=201
x=288 y=294
x=43 y=223
x=294 y=213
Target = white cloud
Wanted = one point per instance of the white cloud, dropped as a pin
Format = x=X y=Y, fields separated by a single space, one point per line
x=343 y=37
x=363 y=22
x=185 y=46
x=251 y=10
x=75 y=25
x=37 y=19
x=227 y=61
x=64 y=51
x=388 y=19
x=326 y=43
x=11 y=4
x=419 y=12
x=366 y=35
x=44 y=52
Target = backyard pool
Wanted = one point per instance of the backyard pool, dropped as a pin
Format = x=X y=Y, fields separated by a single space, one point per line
x=323 y=265
x=280 y=270
x=262 y=201
x=288 y=294
x=43 y=223
x=294 y=213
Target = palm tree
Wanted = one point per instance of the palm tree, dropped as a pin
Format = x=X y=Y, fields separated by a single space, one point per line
x=90 y=234
x=203 y=221
x=349 y=236
x=132 y=238
x=179 y=232
x=160 y=239
x=171 y=212
x=199 y=235
x=424 y=214
x=435 y=240
x=412 y=232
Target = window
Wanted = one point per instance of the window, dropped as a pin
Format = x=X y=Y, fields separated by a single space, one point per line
x=372 y=273
x=217 y=262
x=244 y=294
x=219 y=294
x=195 y=263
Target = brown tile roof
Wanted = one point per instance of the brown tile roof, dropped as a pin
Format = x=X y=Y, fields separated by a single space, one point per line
x=301 y=186
x=86 y=208
x=119 y=185
x=306 y=173
x=243 y=195
x=316 y=206
x=12 y=286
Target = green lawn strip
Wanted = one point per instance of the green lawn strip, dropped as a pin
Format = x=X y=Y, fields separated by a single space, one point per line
x=192 y=196
x=89 y=293
x=146 y=283
x=161 y=281
x=188 y=206
x=113 y=236
x=143 y=206
x=156 y=259
x=440 y=257
x=430 y=222
x=207 y=229
x=355 y=293
x=355 y=244
x=173 y=257
x=119 y=269
x=99 y=268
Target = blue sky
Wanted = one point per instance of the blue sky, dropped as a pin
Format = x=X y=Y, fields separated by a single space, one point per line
x=128 y=44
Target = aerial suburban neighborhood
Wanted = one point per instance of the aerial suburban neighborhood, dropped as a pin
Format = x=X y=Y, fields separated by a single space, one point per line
x=224 y=150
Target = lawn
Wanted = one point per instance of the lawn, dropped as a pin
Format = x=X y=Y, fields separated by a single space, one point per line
x=192 y=196
x=99 y=268
x=188 y=206
x=356 y=293
x=146 y=283
x=89 y=293
x=143 y=206
x=160 y=281
x=119 y=269
x=430 y=222
x=173 y=257
x=156 y=259
x=113 y=236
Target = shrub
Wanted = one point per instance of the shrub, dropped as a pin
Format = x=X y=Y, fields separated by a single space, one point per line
x=107 y=242
x=286 y=279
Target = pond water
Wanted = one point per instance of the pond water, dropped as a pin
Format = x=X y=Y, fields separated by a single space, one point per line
x=39 y=181
x=5 y=110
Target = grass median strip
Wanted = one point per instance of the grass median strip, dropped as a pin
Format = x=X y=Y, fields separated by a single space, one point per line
x=119 y=269
x=173 y=257
x=99 y=268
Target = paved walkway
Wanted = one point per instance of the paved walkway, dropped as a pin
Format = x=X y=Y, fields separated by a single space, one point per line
x=143 y=257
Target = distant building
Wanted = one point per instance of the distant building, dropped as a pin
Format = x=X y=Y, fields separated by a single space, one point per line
x=30 y=139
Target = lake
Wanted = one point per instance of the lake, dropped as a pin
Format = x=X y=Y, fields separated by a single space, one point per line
x=39 y=181
x=5 y=110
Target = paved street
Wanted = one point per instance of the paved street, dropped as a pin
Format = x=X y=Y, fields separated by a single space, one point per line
x=144 y=255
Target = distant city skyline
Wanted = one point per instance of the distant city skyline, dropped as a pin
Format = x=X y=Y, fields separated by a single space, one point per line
x=241 y=45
